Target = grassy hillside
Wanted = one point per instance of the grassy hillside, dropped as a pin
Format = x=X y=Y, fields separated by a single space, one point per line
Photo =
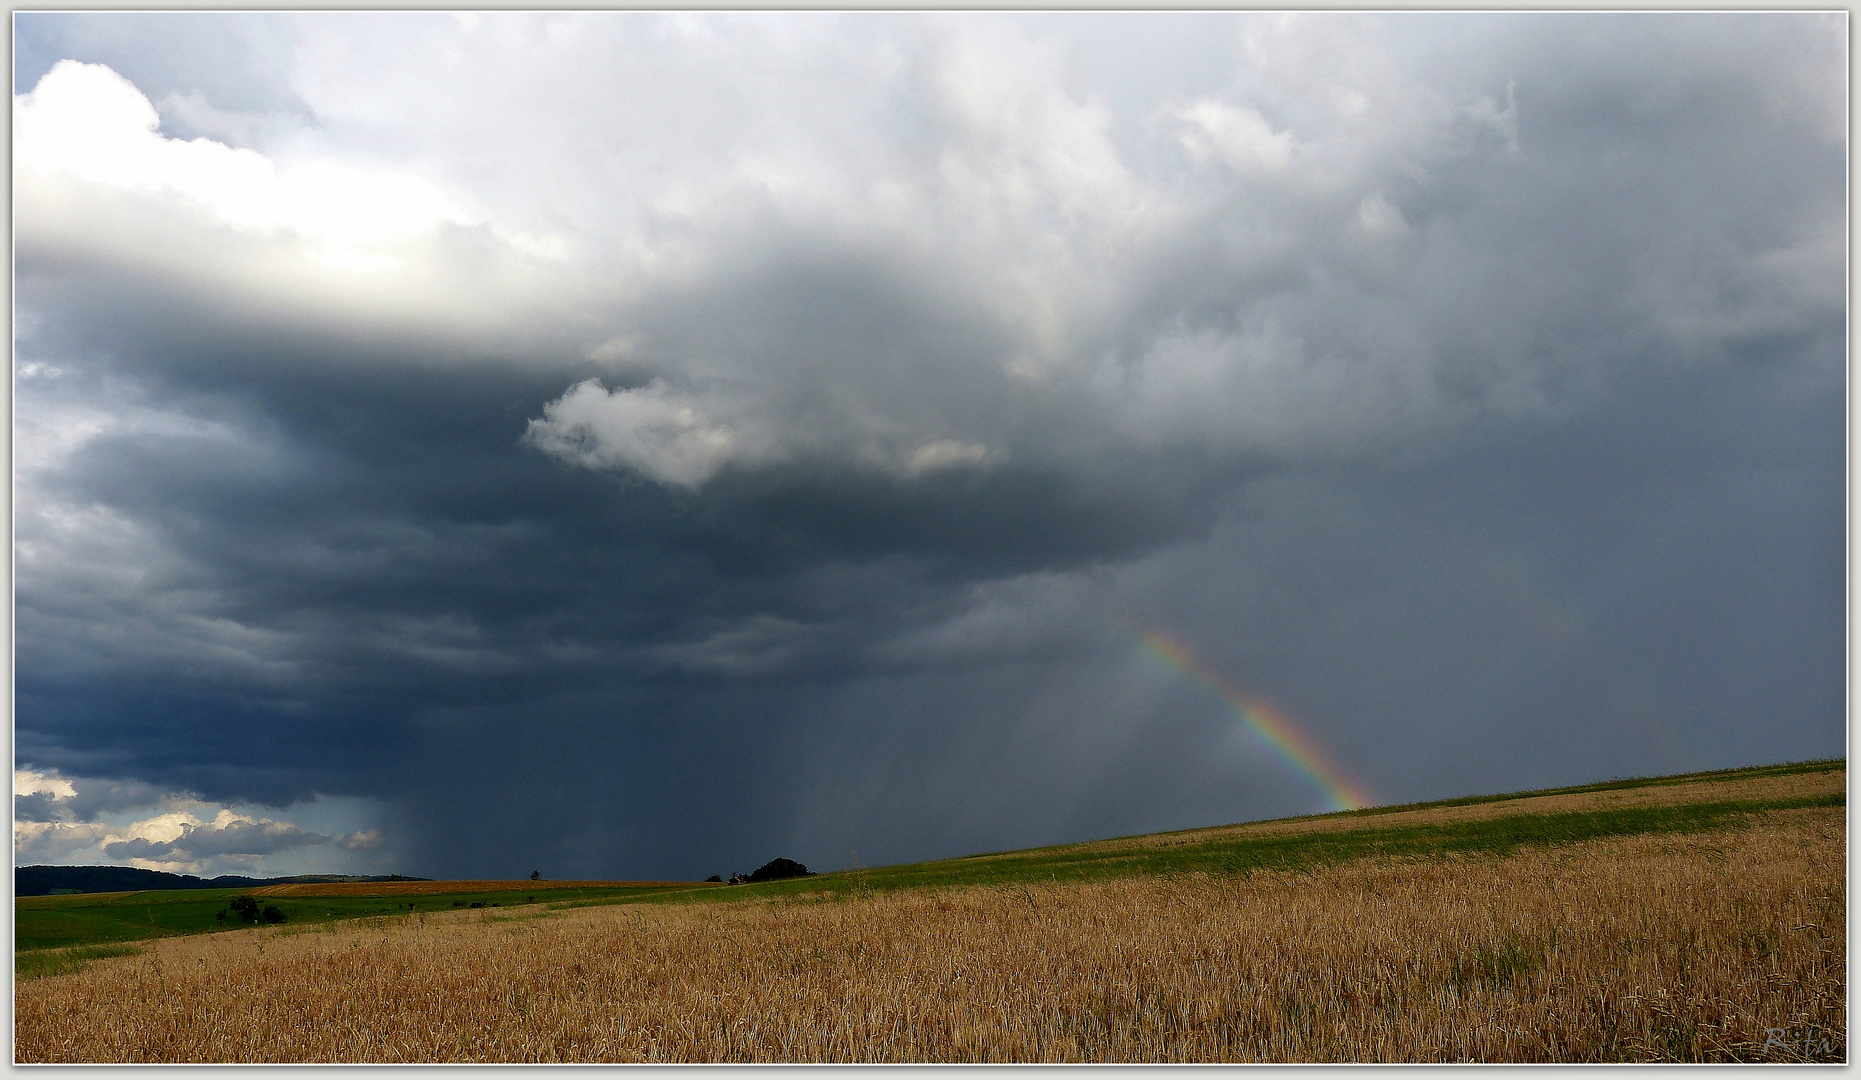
x=1496 y=825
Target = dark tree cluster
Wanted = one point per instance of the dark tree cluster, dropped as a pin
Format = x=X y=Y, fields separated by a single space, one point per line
x=247 y=910
x=773 y=870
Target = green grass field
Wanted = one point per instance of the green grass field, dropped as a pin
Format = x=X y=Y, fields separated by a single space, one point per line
x=87 y=919
x=55 y=933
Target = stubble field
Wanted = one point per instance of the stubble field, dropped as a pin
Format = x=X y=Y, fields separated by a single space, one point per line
x=1722 y=944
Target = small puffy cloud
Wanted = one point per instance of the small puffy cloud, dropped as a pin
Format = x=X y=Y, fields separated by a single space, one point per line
x=653 y=430
x=27 y=783
x=366 y=840
x=669 y=436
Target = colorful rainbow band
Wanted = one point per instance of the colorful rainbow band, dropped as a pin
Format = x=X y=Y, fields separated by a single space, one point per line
x=1274 y=727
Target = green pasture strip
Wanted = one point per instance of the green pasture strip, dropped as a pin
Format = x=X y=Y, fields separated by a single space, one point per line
x=38 y=965
x=44 y=922
x=47 y=922
x=1286 y=851
x=1747 y=772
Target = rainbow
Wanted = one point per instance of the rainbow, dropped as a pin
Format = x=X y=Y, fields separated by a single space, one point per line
x=1267 y=722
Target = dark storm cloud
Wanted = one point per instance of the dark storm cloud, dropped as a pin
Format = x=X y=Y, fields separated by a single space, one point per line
x=654 y=492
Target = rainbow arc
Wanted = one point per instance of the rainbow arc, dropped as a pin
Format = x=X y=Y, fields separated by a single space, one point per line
x=1271 y=724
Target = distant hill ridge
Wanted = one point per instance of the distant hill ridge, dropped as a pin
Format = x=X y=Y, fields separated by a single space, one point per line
x=45 y=880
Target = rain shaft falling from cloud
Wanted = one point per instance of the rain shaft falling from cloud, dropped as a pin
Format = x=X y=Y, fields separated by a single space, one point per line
x=645 y=443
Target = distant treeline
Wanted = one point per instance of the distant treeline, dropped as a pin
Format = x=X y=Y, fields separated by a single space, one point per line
x=46 y=880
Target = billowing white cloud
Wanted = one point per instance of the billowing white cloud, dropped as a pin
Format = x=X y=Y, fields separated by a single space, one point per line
x=85 y=123
x=672 y=437
x=29 y=782
x=76 y=820
x=187 y=840
x=315 y=235
x=47 y=796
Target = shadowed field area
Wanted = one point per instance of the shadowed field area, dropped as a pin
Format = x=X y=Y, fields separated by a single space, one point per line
x=1683 y=931
x=448 y=888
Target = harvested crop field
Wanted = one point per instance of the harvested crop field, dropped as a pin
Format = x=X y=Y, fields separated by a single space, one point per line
x=1718 y=945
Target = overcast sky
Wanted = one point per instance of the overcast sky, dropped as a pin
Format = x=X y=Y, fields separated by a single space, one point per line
x=640 y=446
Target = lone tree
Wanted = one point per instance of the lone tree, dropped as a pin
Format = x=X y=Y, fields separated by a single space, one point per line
x=776 y=869
x=536 y=875
x=246 y=907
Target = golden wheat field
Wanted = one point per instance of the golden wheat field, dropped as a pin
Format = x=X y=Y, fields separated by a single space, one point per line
x=1726 y=945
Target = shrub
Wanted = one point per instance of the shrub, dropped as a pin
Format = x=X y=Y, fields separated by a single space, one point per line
x=272 y=914
x=776 y=869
